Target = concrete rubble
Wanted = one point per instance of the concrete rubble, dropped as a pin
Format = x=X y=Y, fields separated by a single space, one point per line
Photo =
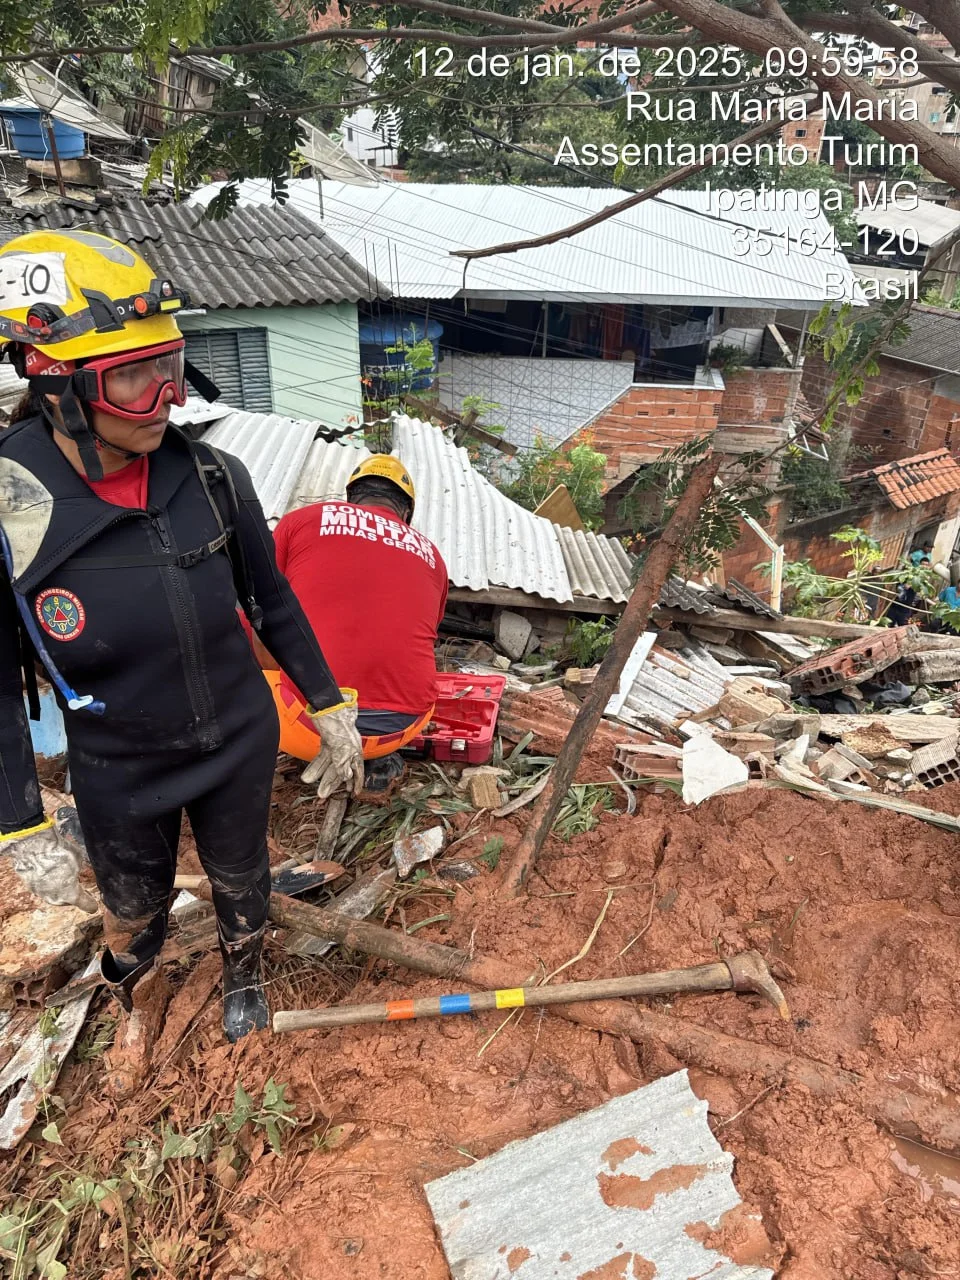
x=881 y=711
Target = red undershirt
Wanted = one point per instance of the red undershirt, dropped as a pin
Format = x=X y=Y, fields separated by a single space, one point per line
x=126 y=487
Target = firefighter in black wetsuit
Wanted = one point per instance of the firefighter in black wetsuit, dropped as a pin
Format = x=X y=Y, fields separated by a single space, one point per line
x=125 y=550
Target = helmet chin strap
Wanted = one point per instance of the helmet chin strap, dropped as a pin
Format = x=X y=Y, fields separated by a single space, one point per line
x=76 y=427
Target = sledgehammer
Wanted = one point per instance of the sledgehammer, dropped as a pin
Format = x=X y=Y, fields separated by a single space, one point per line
x=744 y=972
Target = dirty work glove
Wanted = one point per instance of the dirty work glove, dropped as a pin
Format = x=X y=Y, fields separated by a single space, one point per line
x=339 y=763
x=47 y=866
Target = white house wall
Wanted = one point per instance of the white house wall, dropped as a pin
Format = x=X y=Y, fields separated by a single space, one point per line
x=552 y=398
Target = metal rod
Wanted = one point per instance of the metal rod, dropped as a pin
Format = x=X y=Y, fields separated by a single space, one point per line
x=55 y=153
x=717 y=976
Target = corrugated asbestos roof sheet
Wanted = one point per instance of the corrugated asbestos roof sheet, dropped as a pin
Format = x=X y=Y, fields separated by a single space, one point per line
x=326 y=471
x=272 y=448
x=671 y=686
x=930 y=221
x=933 y=341
x=677 y=594
x=737 y=594
x=255 y=257
x=485 y=539
x=912 y=481
x=198 y=412
x=672 y=249
x=630 y=1188
x=596 y=566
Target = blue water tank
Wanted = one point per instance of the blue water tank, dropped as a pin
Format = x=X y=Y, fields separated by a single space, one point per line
x=391 y=330
x=31 y=140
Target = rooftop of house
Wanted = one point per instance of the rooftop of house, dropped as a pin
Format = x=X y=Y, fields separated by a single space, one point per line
x=930 y=221
x=933 y=341
x=673 y=249
x=910 y=482
x=255 y=257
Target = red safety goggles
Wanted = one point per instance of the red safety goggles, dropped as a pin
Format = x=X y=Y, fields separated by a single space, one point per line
x=128 y=384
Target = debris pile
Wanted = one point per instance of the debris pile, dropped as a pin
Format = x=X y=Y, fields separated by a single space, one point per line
x=343 y=1137
x=879 y=714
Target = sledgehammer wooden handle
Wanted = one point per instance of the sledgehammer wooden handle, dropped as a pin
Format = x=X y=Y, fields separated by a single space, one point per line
x=745 y=972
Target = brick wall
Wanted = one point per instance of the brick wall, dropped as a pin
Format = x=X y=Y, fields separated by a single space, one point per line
x=811 y=539
x=651 y=418
x=755 y=396
x=648 y=420
x=899 y=414
x=941 y=427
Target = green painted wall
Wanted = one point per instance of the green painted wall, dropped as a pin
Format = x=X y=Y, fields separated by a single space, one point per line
x=314 y=356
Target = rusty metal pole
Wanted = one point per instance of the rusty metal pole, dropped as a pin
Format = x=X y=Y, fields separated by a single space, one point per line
x=55 y=153
x=635 y=619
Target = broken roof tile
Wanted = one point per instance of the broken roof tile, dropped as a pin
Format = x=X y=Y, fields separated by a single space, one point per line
x=909 y=482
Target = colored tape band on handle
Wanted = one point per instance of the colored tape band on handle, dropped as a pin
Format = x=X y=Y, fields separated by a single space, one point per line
x=455 y=1004
x=510 y=998
x=398 y=1010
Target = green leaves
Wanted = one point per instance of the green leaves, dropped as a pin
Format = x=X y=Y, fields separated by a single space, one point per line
x=588 y=641
x=853 y=596
x=650 y=503
x=50 y=1133
x=544 y=466
x=172 y=22
x=492 y=849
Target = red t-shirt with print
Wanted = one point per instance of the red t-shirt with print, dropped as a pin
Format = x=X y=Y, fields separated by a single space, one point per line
x=374 y=591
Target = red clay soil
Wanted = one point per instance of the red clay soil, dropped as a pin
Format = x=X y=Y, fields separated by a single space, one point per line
x=861 y=908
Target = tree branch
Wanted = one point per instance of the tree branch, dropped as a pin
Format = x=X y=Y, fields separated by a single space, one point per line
x=869 y=24
x=488 y=17
x=633 y=621
x=522 y=26
x=638 y=197
x=760 y=35
x=944 y=15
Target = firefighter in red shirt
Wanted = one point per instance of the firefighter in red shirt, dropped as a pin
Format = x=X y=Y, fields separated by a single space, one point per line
x=374 y=591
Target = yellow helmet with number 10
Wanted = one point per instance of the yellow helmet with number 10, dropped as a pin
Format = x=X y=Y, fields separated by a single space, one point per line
x=75 y=295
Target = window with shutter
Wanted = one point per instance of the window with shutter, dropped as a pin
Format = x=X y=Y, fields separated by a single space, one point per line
x=238 y=361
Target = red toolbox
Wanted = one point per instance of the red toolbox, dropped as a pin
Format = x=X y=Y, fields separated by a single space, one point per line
x=465 y=716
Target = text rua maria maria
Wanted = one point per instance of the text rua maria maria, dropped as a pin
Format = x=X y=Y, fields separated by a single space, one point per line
x=738 y=107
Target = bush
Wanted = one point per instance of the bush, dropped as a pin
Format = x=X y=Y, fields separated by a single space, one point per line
x=541 y=468
x=816 y=485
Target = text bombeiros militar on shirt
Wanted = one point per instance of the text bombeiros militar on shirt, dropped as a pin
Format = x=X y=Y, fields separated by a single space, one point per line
x=741 y=97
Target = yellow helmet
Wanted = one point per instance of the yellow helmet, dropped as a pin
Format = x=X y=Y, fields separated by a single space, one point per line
x=387 y=467
x=75 y=294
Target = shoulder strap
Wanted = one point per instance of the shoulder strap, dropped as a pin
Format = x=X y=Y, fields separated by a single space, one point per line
x=213 y=475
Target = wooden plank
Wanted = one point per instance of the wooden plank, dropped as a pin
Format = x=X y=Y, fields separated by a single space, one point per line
x=512 y=598
x=905 y=728
x=559 y=508
x=451 y=419
x=822 y=627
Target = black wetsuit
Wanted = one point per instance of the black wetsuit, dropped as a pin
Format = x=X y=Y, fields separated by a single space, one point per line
x=140 y=611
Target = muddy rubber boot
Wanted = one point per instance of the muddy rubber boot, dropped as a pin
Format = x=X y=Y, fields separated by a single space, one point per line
x=143 y=994
x=379 y=775
x=244 y=1001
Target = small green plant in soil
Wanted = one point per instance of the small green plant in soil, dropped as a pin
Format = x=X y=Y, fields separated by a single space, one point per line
x=492 y=850
x=587 y=642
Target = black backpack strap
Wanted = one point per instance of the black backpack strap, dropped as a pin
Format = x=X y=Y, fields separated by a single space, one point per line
x=212 y=476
